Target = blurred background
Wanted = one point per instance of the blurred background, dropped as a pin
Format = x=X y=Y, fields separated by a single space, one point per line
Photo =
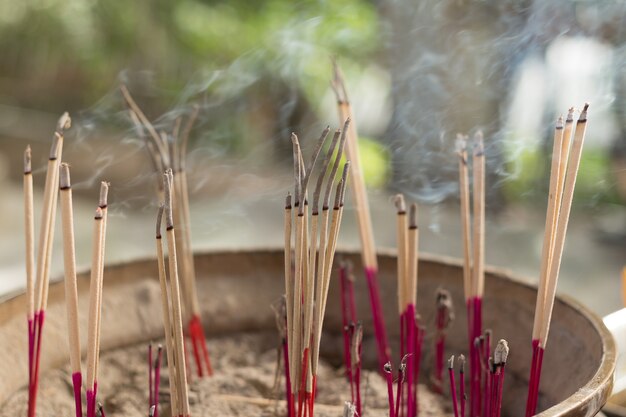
x=418 y=73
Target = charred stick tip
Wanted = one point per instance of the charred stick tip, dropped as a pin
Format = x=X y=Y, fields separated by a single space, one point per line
x=559 y=122
x=64 y=177
x=98 y=215
x=570 y=115
x=462 y=363
x=28 y=166
x=288 y=201
x=501 y=353
x=344 y=182
x=451 y=362
x=387 y=368
x=479 y=149
x=167 y=184
x=413 y=216
x=104 y=194
x=583 y=114
x=159 y=220
x=338 y=195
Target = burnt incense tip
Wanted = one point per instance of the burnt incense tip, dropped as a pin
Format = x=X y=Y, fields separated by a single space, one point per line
x=64 y=123
x=104 y=194
x=338 y=194
x=413 y=216
x=501 y=352
x=488 y=333
x=167 y=185
x=349 y=409
x=64 y=177
x=462 y=363
x=559 y=122
x=387 y=368
x=152 y=411
x=460 y=144
x=344 y=182
x=451 y=362
x=159 y=220
x=400 y=204
x=570 y=115
x=288 y=201
x=98 y=215
x=477 y=342
x=28 y=168
x=479 y=148
x=583 y=114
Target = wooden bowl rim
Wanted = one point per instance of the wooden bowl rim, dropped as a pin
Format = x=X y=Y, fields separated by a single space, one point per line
x=601 y=382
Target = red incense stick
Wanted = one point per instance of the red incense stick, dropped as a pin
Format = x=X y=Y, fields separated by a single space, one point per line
x=453 y=394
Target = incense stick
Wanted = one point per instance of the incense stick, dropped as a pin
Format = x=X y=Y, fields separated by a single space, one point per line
x=175 y=291
x=71 y=290
x=29 y=232
x=92 y=327
x=366 y=233
x=166 y=310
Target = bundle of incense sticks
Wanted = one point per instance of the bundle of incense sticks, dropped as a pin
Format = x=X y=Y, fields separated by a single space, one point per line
x=366 y=233
x=566 y=155
x=495 y=366
x=37 y=286
x=473 y=254
x=95 y=291
x=411 y=334
x=171 y=304
x=169 y=151
x=315 y=244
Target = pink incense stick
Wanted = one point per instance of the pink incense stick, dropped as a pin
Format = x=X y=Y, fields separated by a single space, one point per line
x=380 y=333
x=77 y=382
x=455 y=404
x=150 y=382
x=157 y=380
x=401 y=374
x=389 y=375
x=462 y=383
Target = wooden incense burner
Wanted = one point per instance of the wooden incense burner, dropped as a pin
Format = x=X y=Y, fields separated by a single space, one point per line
x=236 y=289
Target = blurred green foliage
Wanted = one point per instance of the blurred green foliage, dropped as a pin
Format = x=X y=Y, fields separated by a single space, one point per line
x=74 y=50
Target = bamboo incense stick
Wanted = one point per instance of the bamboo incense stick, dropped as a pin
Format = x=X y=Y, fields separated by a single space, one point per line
x=71 y=290
x=29 y=231
x=103 y=204
x=413 y=254
x=401 y=234
x=175 y=291
x=366 y=233
x=92 y=327
x=478 y=264
x=29 y=228
x=165 y=307
x=465 y=214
